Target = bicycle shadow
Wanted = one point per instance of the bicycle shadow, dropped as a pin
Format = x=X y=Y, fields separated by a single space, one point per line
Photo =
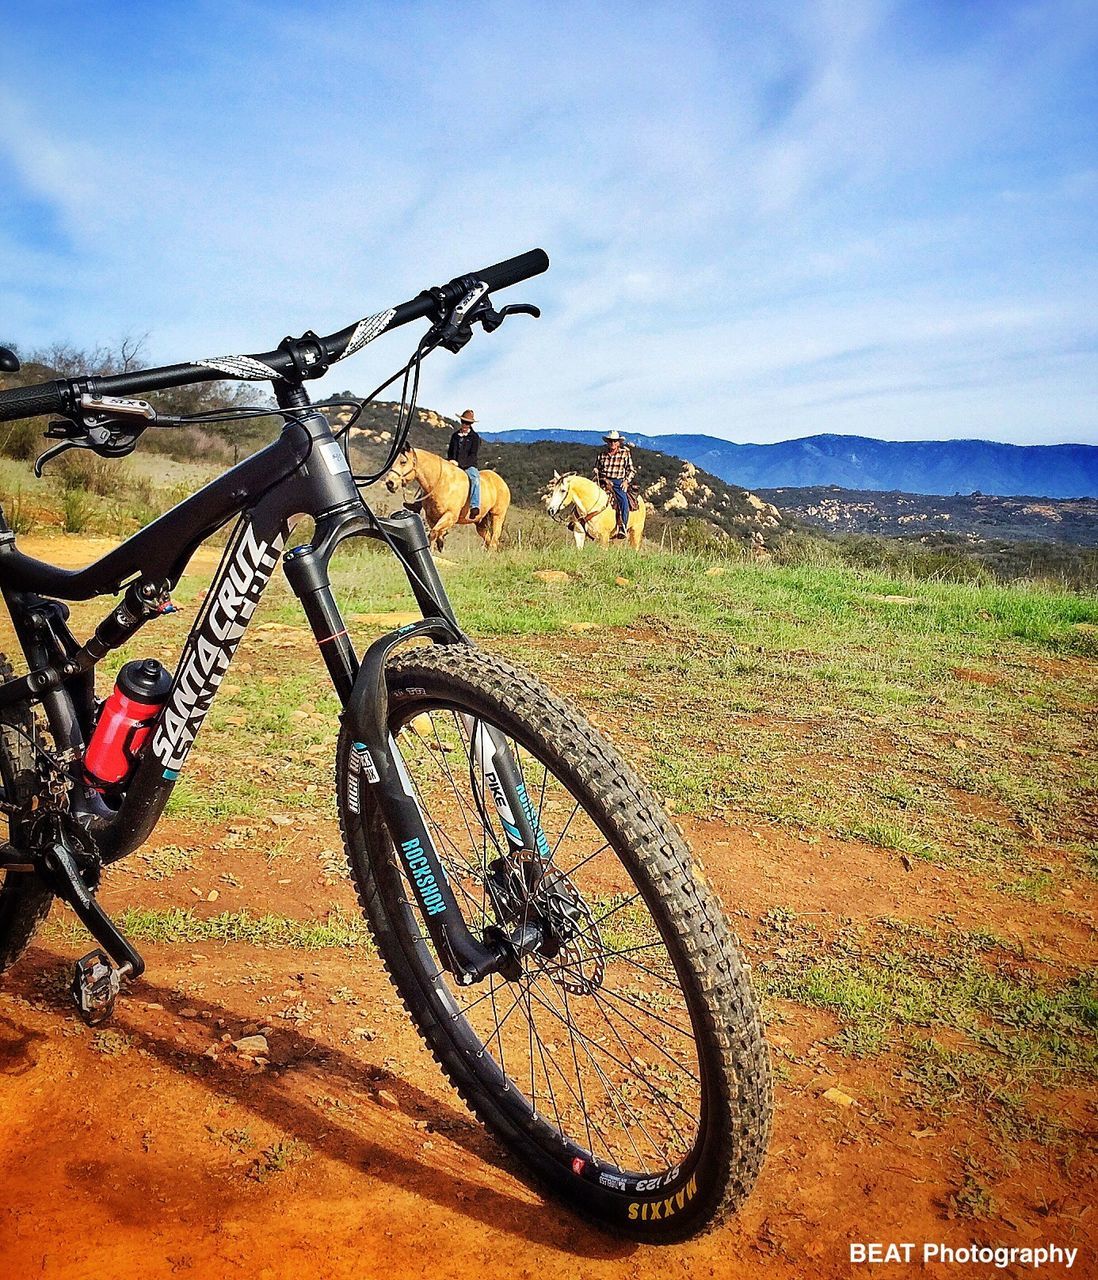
x=18 y=1048
x=268 y=1095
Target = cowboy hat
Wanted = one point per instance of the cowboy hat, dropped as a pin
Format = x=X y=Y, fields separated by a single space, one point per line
x=468 y=416
x=614 y=435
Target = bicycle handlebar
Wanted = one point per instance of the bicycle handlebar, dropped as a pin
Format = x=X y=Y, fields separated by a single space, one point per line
x=56 y=396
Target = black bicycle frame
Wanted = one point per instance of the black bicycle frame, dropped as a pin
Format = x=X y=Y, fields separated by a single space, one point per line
x=303 y=473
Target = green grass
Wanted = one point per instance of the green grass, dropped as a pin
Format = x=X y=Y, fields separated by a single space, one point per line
x=965 y=1027
x=176 y=925
x=785 y=605
x=793 y=693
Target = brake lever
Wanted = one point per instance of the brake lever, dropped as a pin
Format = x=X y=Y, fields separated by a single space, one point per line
x=43 y=458
x=491 y=319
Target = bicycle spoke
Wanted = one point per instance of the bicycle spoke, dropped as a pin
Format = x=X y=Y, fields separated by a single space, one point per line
x=625 y=1047
x=612 y=1092
x=625 y=1066
x=600 y=1089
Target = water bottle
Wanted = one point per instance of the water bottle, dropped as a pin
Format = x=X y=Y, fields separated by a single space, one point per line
x=125 y=723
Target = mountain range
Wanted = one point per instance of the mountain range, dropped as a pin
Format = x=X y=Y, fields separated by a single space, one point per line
x=943 y=467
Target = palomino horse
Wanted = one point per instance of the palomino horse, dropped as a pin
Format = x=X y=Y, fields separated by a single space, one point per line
x=589 y=511
x=444 y=490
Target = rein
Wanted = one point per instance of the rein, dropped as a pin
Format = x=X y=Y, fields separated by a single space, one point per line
x=584 y=519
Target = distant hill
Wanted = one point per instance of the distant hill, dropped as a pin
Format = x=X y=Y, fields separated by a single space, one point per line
x=857 y=462
x=676 y=489
x=906 y=515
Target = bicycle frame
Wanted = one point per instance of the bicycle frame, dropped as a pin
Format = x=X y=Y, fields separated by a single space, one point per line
x=304 y=472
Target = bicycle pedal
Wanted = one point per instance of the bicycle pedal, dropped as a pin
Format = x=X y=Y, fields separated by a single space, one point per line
x=95 y=986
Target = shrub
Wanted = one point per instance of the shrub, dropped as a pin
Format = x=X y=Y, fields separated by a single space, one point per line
x=22 y=440
x=76 y=509
x=19 y=515
x=89 y=472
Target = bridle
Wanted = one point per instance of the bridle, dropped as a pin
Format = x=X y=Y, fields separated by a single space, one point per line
x=577 y=514
x=406 y=483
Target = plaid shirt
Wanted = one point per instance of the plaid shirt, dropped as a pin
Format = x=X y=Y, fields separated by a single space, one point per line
x=614 y=466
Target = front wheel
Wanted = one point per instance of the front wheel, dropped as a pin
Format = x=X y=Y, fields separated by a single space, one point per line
x=624 y=1065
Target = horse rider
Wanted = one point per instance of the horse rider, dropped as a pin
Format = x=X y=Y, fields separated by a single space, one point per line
x=464 y=447
x=614 y=471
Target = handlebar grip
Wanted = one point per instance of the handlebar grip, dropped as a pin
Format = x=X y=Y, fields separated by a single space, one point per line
x=29 y=402
x=502 y=274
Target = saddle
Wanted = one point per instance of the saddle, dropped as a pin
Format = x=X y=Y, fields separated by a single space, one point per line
x=631 y=494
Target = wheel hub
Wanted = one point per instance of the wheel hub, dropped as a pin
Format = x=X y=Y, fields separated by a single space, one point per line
x=571 y=951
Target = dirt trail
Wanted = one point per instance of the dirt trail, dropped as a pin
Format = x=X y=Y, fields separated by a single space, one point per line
x=75 y=551
x=134 y=1151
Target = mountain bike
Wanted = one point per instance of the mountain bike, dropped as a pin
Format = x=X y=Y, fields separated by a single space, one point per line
x=535 y=907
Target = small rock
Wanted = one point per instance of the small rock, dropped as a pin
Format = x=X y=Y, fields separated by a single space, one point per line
x=552 y=575
x=715 y=571
x=839 y=1098
x=188 y=1013
x=212 y=896
x=254 y=1045
x=623 y=582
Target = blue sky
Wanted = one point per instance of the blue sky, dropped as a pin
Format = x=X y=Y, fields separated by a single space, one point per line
x=766 y=220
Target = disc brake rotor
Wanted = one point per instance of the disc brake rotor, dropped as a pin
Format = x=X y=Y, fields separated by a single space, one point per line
x=578 y=965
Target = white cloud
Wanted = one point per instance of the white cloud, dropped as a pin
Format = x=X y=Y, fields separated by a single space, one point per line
x=860 y=217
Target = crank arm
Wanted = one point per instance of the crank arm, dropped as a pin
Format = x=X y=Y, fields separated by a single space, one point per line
x=63 y=876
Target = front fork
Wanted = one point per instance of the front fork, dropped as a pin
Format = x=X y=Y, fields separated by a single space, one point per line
x=375 y=760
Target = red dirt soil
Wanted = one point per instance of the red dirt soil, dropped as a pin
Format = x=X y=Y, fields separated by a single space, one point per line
x=133 y=1151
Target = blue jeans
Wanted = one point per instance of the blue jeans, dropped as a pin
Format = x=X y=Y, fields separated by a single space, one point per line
x=474 y=486
x=621 y=501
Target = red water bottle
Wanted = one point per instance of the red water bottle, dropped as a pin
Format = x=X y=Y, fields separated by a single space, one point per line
x=125 y=723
